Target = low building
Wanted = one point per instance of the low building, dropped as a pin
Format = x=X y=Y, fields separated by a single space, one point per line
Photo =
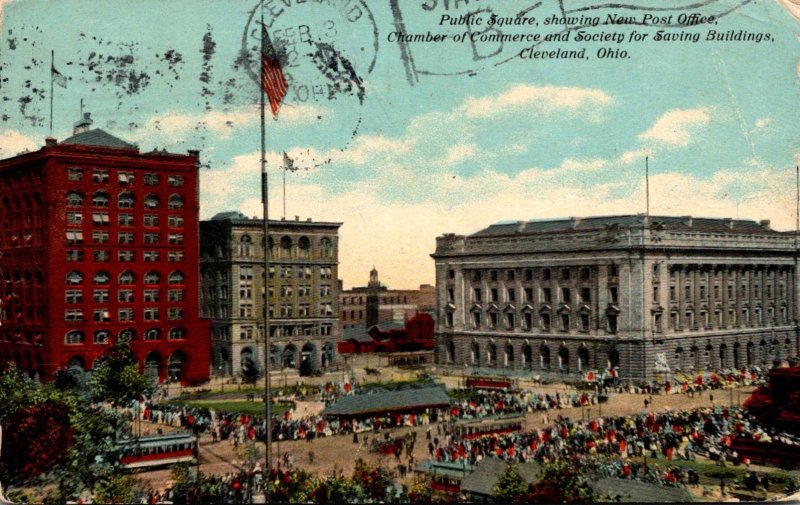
x=367 y=306
x=409 y=343
x=638 y=296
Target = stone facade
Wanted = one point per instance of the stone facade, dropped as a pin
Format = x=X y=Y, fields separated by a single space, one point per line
x=646 y=296
x=303 y=291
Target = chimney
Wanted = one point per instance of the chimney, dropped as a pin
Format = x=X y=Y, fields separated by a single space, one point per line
x=764 y=224
x=308 y=220
x=687 y=220
x=50 y=142
x=728 y=222
x=84 y=124
x=297 y=218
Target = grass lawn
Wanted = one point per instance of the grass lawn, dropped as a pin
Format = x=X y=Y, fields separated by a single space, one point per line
x=238 y=407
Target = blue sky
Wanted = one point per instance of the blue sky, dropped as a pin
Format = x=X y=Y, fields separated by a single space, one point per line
x=501 y=139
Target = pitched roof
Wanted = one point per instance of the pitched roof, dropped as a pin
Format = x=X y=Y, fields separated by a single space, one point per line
x=671 y=223
x=99 y=138
x=381 y=400
x=629 y=490
x=488 y=470
x=359 y=334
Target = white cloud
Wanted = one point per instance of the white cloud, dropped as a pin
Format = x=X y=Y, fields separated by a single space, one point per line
x=675 y=127
x=459 y=153
x=589 y=165
x=541 y=98
x=763 y=122
x=13 y=142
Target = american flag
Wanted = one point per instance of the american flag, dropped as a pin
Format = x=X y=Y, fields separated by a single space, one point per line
x=272 y=79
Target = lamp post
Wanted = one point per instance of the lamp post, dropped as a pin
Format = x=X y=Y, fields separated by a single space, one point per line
x=222 y=378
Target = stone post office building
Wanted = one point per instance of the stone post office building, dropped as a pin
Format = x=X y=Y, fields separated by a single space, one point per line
x=644 y=296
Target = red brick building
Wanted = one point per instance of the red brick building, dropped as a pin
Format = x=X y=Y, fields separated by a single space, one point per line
x=99 y=242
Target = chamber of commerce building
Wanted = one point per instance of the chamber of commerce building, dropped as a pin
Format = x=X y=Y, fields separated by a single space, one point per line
x=303 y=292
x=99 y=243
x=640 y=297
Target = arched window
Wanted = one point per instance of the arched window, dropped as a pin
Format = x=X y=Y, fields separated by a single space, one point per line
x=491 y=354
x=102 y=278
x=245 y=245
x=327 y=247
x=74 y=199
x=152 y=278
x=101 y=336
x=152 y=334
x=544 y=357
x=100 y=199
x=177 y=334
x=304 y=247
x=508 y=358
x=474 y=353
x=126 y=278
x=175 y=202
x=176 y=277
x=74 y=278
x=151 y=202
x=74 y=337
x=126 y=335
x=125 y=200
x=286 y=247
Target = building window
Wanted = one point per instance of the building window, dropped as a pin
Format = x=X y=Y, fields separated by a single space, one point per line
x=125 y=200
x=175 y=202
x=100 y=296
x=585 y=274
x=476 y=319
x=101 y=315
x=584 y=321
x=151 y=238
x=511 y=293
x=152 y=334
x=655 y=294
x=74 y=278
x=175 y=221
x=476 y=276
x=175 y=313
x=151 y=295
x=613 y=271
x=101 y=278
x=151 y=256
x=100 y=199
x=75 y=218
x=177 y=334
x=151 y=314
x=564 y=322
x=175 y=256
x=100 y=218
x=175 y=295
x=74 y=174
x=586 y=295
x=74 y=199
x=176 y=181
x=510 y=275
x=125 y=219
x=100 y=237
x=566 y=295
x=125 y=256
x=73 y=315
x=547 y=295
x=125 y=315
x=565 y=274
x=151 y=179
x=125 y=295
x=493 y=319
x=74 y=337
x=74 y=255
x=151 y=202
x=493 y=295
x=509 y=320
x=527 y=320
x=151 y=220
x=613 y=294
x=101 y=337
x=493 y=275
x=152 y=278
x=175 y=238
x=102 y=255
x=74 y=237
x=74 y=296
x=672 y=293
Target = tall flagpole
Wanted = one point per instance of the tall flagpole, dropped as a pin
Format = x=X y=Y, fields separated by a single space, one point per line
x=267 y=251
x=647 y=185
x=284 y=192
x=52 y=66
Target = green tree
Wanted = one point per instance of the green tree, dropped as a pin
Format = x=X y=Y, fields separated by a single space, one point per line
x=117 y=489
x=511 y=487
x=249 y=372
x=116 y=378
x=561 y=482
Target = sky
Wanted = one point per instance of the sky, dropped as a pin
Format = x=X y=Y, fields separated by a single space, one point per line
x=403 y=144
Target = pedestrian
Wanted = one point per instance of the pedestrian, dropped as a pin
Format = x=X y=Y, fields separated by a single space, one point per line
x=355 y=437
x=711 y=397
x=310 y=457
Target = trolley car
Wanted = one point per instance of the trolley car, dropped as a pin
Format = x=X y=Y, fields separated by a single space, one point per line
x=472 y=429
x=157 y=450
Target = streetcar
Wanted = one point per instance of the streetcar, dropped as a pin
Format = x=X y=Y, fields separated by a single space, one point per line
x=474 y=428
x=157 y=450
x=484 y=382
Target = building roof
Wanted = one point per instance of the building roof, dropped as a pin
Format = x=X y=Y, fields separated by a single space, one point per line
x=359 y=334
x=488 y=470
x=237 y=218
x=98 y=138
x=671 y=223
x=387 y=326
x=630 y=490
x=381 y=400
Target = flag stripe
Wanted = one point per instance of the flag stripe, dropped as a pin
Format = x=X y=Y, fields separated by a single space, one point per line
x=273 y=81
